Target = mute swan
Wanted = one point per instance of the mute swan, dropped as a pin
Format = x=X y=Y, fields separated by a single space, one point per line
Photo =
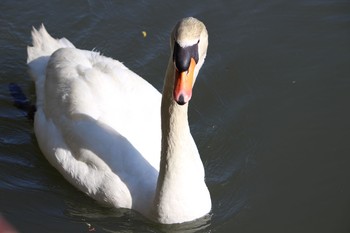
x=114 y=136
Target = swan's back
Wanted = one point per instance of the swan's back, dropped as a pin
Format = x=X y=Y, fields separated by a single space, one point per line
x=88 y=122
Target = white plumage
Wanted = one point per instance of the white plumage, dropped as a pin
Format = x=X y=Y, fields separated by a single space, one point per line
x=99 y=125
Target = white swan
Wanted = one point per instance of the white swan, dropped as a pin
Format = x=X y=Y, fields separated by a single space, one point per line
x=112 y=135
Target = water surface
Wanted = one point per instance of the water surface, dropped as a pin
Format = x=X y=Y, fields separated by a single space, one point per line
x=270 y=112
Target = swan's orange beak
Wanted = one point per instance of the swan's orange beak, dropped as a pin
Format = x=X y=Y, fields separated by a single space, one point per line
x=184 y=84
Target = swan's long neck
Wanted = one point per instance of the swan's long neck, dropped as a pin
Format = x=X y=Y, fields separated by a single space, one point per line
x=181 y=193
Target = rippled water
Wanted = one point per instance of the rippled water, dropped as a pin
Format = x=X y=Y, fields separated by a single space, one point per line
x=270 y=112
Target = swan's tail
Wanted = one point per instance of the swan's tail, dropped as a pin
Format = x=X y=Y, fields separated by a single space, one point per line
x=44 y=44
x=39 y=54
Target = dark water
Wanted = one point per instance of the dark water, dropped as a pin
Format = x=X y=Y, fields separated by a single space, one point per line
x=270 y=112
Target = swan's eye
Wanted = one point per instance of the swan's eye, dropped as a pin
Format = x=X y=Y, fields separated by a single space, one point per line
x=198 y=41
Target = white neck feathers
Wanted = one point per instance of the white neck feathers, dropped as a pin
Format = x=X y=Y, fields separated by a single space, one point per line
x=181 y=193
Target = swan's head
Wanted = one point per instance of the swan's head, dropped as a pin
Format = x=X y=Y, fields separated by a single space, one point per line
x=189 y=42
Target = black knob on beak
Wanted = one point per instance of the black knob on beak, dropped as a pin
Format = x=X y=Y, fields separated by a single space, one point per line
x=182 y=56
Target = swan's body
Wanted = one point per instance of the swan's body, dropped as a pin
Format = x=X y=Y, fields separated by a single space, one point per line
x=100 y=125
